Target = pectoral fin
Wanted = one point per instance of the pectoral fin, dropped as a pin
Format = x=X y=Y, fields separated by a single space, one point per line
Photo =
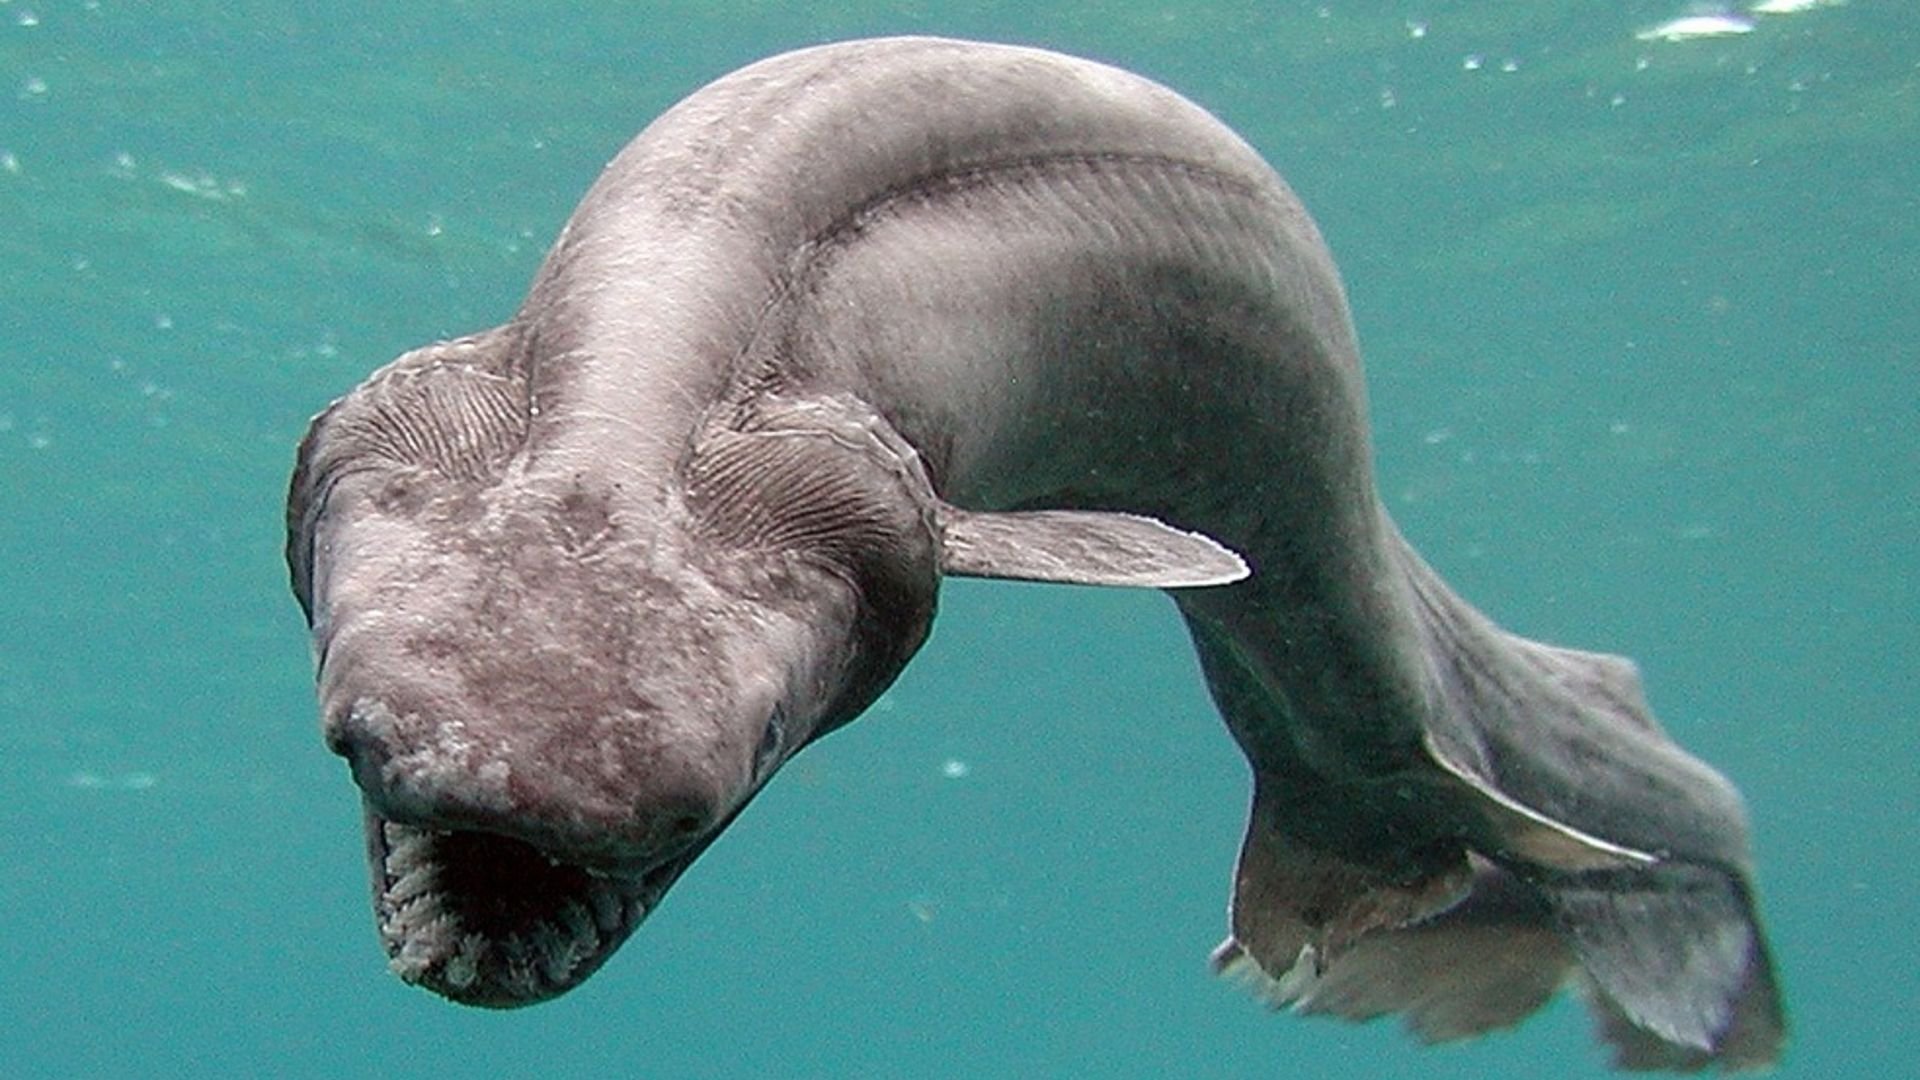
x=1083 y=547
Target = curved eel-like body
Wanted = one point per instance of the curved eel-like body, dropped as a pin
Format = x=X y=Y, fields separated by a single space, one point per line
x=859 y=316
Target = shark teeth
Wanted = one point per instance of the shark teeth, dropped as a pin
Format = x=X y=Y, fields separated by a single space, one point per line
x=487 y=920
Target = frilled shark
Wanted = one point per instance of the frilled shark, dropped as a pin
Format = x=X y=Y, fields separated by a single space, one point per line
x=861 y=316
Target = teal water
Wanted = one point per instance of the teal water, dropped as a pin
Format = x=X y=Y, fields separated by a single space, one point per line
x=1641 y=323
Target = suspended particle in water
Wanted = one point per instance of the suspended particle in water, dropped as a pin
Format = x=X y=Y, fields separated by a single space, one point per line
x=1694 y=27
x=1791 y=7
x=87 y=780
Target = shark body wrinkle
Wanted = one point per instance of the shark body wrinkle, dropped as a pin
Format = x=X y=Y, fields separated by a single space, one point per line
x=860 y=316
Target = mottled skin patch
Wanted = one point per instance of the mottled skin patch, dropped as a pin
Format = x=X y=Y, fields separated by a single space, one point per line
x=860 y=316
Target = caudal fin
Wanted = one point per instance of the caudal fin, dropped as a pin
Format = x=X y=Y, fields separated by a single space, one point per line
x=1675 y=967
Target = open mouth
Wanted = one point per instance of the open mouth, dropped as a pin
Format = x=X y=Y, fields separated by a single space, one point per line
x=489 y=920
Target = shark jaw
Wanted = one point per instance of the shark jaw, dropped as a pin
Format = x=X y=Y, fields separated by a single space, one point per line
x=491 y=921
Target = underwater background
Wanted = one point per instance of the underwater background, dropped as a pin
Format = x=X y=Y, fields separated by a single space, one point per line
x=1642 y=321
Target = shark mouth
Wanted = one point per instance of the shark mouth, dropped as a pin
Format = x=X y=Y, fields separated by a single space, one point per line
x=488 y=920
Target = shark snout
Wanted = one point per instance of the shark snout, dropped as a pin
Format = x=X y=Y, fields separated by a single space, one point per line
x=588 y=802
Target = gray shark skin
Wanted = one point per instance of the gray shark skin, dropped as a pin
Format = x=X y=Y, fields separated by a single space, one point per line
x=860 y=316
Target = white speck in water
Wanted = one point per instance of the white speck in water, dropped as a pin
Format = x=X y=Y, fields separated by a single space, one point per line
x=1416 y=29
x=1509 y=65
x=34 y=87
x=1619 y=427
x=8 y=162
x=955 y=769
x=163 y=321
x=39 y=440
x=127 y=781
x=28 y=18
x=1473 y=62
x=1791 y=7
x=1387 y=98
x=1617 y=100
x=1695 y=27
x=1437 y=436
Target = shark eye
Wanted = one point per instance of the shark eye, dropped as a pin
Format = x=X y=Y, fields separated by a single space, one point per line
x=773 y=739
